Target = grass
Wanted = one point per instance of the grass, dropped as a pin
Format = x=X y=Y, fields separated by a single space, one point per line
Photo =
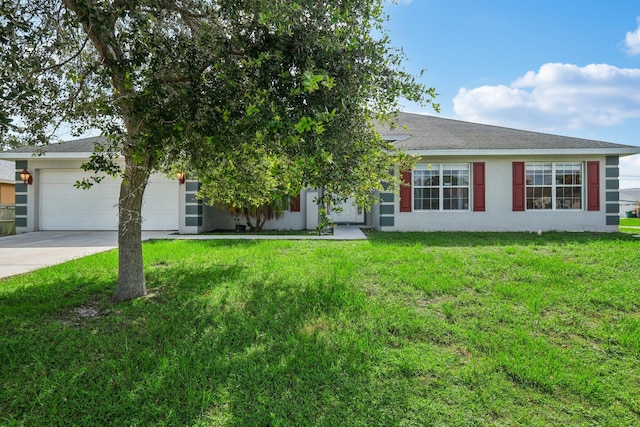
x=630 y=225
x=267 y=232
x=406 y=329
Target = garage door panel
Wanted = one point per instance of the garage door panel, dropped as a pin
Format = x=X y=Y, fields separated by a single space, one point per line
x=65 y=207
x=160 y=204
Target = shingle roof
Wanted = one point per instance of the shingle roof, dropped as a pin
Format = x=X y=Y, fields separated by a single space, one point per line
x=422 y=132
x=84 y=145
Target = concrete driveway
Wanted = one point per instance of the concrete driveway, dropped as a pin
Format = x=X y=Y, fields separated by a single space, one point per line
x=30 y=251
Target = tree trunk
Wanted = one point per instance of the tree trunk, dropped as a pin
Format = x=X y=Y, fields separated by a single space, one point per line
x=131 y=281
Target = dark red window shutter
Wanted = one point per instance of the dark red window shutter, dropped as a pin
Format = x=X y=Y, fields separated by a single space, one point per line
x=478 y=187
x=294 y=204
x=593 y=186
x=405 y=192
x=518 y=186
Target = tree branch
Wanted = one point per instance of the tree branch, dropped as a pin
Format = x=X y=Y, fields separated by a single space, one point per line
x=66 y=61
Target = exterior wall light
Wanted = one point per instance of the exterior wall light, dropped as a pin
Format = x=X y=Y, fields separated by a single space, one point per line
x=181 y=177
x=26 y=177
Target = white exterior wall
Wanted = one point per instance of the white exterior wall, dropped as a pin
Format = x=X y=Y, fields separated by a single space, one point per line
x=499 y=215
x=220 y=219
x=37 y=164
x=373 y=216
x=208 y=216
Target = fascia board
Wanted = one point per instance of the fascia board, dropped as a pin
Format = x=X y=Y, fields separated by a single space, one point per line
x=550 y=152
x=395 y=138
x=47 y=156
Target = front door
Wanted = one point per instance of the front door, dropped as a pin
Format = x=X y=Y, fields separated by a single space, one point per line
x=350 y=213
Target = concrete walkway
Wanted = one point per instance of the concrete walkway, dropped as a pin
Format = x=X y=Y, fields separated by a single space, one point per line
x=341 y=232
x=30 y=251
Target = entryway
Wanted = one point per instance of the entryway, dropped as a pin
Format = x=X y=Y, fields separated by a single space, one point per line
x=350 y=213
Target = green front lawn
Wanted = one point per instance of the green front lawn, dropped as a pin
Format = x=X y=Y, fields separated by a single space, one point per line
x=630 y=225
x=630 y=222
x=403 y=329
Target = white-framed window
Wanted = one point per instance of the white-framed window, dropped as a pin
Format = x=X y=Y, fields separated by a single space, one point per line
x=441 y=186
x=554 y=185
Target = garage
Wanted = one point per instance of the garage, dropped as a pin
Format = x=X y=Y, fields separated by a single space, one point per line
x=65 y=207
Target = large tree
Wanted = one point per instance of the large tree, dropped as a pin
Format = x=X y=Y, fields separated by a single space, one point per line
x=214 y=86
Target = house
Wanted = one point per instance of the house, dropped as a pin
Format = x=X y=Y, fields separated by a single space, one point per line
x=7 y=183
x=469 y=177
x=473 y=177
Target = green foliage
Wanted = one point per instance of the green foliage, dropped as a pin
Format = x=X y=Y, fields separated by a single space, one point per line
x=255 y=97
x=312 y=79
x=325 y=223
x=256 y=215
x=460 y=329
x=298 y=81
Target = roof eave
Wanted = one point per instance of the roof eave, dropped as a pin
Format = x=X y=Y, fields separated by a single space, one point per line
x=623 y=151
x=28 y=156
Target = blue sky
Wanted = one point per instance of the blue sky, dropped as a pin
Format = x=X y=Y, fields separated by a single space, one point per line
x=568 y=67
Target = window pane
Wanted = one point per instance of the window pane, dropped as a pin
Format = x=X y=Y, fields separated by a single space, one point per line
x=569 y=198
x=431 y=180
x=426 y=193
x=455 y=174
x=568 y=173
x=425 y=176
x=539 y=173
x=539 y=198
x=455 y=199
x=569 y=186
x=426 y=198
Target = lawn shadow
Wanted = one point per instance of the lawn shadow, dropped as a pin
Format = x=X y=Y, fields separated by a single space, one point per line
x=213 y=347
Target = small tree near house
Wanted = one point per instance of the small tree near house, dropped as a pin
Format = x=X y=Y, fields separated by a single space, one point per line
x=256 y=216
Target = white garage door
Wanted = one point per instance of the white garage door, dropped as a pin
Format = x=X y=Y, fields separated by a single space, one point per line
x=65 y=207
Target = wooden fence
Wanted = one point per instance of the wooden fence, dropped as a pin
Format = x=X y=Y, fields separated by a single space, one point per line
x=7 y=219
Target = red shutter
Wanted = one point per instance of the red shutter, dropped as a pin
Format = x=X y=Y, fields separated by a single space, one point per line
x=518 y=187
x=294 y=204
x=478 y=187
x=593 y=186
x=405 y=192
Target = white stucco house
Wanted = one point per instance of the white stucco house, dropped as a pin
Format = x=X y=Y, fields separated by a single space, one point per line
x=469 y=177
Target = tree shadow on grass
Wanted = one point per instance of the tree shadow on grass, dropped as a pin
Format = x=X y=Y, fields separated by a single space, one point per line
x=209 y=347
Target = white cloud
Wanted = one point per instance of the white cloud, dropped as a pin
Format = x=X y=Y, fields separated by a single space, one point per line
x=400 y=1
x=557 y=96
x=632 y=41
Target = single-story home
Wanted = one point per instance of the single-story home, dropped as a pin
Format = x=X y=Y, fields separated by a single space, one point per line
x=469 y=177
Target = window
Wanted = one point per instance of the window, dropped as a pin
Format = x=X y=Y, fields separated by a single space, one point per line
x=441 y=186
x=554 y=186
